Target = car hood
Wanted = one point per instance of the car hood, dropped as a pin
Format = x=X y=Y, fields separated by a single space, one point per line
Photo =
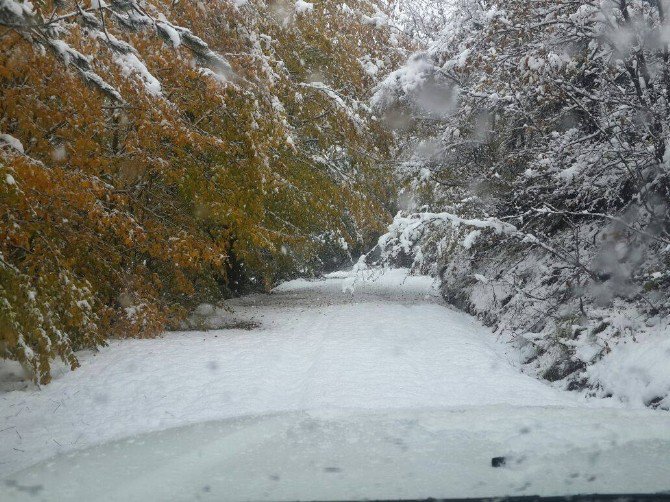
x=357 y=454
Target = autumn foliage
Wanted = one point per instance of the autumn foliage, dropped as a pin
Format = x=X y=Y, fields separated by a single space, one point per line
x=174 y=153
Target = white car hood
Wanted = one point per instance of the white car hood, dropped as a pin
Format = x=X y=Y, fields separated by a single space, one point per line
x=345 y=455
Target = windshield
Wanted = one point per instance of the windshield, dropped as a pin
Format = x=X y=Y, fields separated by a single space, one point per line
x=373 y=250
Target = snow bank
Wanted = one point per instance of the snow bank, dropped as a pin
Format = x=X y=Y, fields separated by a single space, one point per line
x=608 y=351
x=637 y=371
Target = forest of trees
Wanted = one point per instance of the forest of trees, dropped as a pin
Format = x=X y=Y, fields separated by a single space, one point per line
x=537 y=172
x=156 y=154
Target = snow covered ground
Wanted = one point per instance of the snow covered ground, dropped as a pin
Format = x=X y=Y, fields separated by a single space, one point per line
x=345 y=346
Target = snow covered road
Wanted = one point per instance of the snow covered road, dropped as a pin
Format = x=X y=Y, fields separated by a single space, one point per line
x=336 y=344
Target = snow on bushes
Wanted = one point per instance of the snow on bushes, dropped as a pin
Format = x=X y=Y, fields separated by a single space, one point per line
x=552 y=118
x=520 y=289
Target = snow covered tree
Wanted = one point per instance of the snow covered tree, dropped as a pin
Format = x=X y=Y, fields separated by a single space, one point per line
x=155 y=154
x=422 y=20
x=540 y=130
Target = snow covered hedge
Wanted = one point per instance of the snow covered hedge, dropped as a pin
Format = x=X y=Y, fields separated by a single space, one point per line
x=537 y=168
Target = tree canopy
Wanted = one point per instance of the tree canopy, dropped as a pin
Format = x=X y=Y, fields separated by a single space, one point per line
x=156 y=154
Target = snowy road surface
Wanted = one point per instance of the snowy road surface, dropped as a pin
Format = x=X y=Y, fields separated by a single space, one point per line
x=383 y=350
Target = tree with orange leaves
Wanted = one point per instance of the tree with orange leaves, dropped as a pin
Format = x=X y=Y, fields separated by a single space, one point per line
x=156 y=154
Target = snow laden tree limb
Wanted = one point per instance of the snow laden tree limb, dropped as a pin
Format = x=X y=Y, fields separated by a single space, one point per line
x=338 y=99
x=129 y=16
x=499 y=227
x=603 y=216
